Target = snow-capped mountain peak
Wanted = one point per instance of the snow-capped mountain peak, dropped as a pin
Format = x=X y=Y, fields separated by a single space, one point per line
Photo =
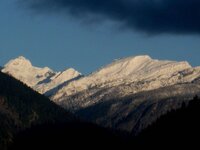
x=132 y=70
x=124 y=66
x=22 y=69
x=40 y=79
x=137 y=65
x=18 y=62
x=66 y=74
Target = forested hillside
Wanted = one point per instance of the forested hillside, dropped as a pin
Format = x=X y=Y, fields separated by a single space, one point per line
x=21 y=108
x=180 y=128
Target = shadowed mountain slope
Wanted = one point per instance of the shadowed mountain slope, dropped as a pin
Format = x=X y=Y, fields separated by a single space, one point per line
x=21 y=108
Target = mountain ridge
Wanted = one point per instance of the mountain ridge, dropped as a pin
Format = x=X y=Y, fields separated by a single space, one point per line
x=127 y=70
x=40 y=79
x=130 y=93
x=115 y=95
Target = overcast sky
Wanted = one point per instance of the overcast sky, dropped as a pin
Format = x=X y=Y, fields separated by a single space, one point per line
x=87 y=34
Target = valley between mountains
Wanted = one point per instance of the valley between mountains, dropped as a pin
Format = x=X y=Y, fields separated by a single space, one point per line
x=128 y=94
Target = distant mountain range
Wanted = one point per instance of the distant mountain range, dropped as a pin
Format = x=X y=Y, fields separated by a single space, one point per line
x=128 y=94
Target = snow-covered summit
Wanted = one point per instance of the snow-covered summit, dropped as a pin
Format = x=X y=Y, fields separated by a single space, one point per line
x=142 y=73
x=132 y=70
x=66 y=74
x=18 y=62
x=22 y=69
x=41 y=79
x=123 y=66
x=138 y=66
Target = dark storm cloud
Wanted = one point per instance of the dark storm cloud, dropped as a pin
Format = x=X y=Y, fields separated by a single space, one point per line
x=149 y=16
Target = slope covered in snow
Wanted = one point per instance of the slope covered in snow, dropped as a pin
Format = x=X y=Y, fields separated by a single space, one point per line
x=57 y=80
x=142 y=72
x=22 y=69
x=40 y=79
